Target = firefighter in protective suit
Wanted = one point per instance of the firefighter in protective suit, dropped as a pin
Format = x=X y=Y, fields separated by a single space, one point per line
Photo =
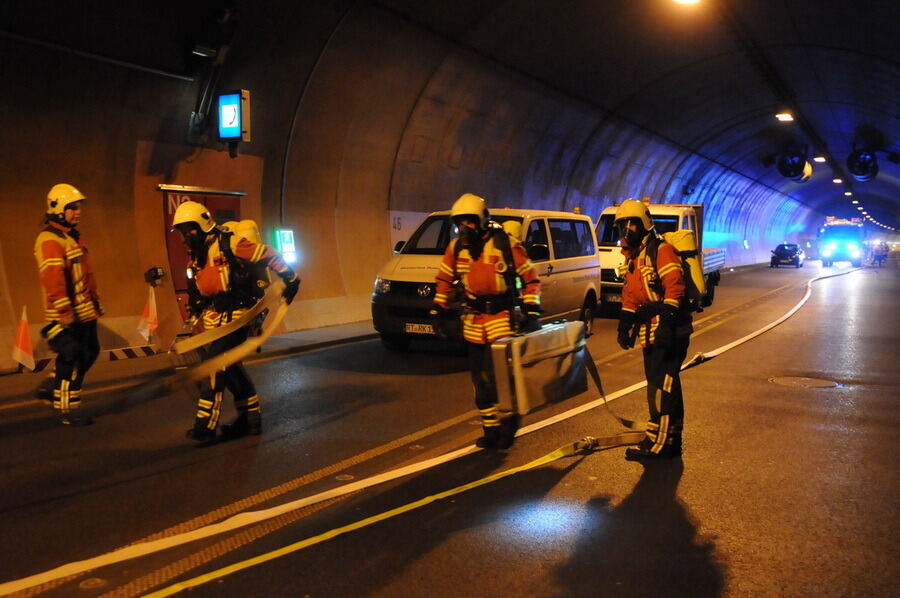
x=224 y=281
x=71 y=303
x=653 y=312
x=486 y=261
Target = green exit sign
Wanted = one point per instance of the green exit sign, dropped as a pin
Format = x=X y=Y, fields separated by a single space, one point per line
x=284 y=243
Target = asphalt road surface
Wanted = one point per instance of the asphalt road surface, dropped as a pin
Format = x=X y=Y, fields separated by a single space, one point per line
x=788 y=485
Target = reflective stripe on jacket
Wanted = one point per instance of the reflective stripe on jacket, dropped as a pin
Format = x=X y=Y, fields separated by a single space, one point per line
x=485 y=277
x=215 y=278
x=67 y=277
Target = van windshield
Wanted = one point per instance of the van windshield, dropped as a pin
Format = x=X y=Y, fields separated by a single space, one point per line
x=434 y=234
x=607 y=235
x=606 y=231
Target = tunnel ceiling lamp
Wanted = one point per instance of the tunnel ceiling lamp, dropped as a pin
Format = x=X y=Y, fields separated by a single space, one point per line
x=686 y=1
x=862 y=164
x=855 y=201
x=859 y=207
x=819 y=159
x=795 y=167
x=837 y=181
x=848 y=193
x=785 y=117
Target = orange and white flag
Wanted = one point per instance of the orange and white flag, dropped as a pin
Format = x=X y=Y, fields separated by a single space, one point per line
x=149 y=320
x=22 y=351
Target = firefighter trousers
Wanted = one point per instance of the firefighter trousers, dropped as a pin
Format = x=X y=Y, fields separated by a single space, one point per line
x=482 y=370
x=72 y=364
x=233 y=378
x=662 y=366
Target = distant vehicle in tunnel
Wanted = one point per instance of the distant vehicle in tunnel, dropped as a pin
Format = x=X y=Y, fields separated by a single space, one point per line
x=667 y=218
x=787 y=254
x=841 y=241
x=562 y=246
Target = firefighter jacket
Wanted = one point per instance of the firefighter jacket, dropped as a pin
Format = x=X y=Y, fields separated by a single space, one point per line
x=233 y=277
x=490 y=302
x=67 y=278
x=646 y=285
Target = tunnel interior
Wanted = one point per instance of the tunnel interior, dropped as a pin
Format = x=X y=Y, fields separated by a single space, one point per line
x=366 y=109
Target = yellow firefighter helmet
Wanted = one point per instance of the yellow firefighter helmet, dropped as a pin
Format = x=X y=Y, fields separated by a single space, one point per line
x=513 y=228
x=471 y=205
x=632 y=208
x=191 y=211
x=61 y=195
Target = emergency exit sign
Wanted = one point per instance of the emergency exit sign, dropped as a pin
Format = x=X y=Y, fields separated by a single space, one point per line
x=284 y=243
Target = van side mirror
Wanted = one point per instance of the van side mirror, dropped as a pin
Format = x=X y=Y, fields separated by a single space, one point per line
x=399 y=246
x=538 y=252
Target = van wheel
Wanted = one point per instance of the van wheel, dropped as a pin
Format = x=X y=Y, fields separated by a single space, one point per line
x=395 y=342
x=587 y=314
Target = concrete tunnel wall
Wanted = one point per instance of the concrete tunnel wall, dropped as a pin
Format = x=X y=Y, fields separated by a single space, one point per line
x=356 y=113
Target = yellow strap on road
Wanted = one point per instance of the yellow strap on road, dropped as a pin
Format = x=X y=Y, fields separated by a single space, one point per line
x=564 y=451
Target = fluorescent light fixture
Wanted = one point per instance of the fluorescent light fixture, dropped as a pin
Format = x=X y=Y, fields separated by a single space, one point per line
x=785 y=117
x=859 y=207
x=855 y=201
x=837 y=181
x=848 y=193
x=819 y=159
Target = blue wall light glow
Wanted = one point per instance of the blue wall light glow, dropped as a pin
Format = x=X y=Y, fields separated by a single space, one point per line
x=229 y=113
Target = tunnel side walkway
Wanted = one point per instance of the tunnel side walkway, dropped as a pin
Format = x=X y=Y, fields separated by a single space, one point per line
x=18 y=388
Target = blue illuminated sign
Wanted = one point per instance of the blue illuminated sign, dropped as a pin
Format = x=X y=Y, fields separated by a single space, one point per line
x=229 y=113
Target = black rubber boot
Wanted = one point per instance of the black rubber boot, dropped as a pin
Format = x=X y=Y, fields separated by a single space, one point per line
x=201 y=436
x=642 y=452
x=76 y=421
x=245 y=424
x=509 y=425
x=490 y=439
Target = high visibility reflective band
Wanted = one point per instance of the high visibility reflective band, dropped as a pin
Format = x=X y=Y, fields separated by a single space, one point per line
x=564 y=451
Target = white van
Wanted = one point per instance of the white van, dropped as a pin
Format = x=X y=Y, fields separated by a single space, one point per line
x=562 y=246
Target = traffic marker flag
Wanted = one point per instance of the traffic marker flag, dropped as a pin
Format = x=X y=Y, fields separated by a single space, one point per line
x=23 y=352
x=149 y=320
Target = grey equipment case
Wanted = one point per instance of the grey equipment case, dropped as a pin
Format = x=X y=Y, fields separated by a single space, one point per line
x=541 y=367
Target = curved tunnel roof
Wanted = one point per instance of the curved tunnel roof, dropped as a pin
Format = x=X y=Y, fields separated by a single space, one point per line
x=710 y=77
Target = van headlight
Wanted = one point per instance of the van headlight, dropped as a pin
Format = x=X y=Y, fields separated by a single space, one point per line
x=382 y=285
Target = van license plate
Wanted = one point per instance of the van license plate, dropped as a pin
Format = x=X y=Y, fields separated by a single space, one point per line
x=420 y=328
x=612 y=297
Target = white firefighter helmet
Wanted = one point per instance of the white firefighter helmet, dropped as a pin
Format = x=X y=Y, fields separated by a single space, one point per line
x=61 y=195
x=191 y=211
x=471 y=205
x=632 y=208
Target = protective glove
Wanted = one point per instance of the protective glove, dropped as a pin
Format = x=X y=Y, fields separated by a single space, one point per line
x=439 y=317
x=290 y=289
x=665 y=329
x=65 y=345
x=532 y=320
x=627 y=320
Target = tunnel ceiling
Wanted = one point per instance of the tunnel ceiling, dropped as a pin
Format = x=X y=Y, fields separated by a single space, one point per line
x=711 y=77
